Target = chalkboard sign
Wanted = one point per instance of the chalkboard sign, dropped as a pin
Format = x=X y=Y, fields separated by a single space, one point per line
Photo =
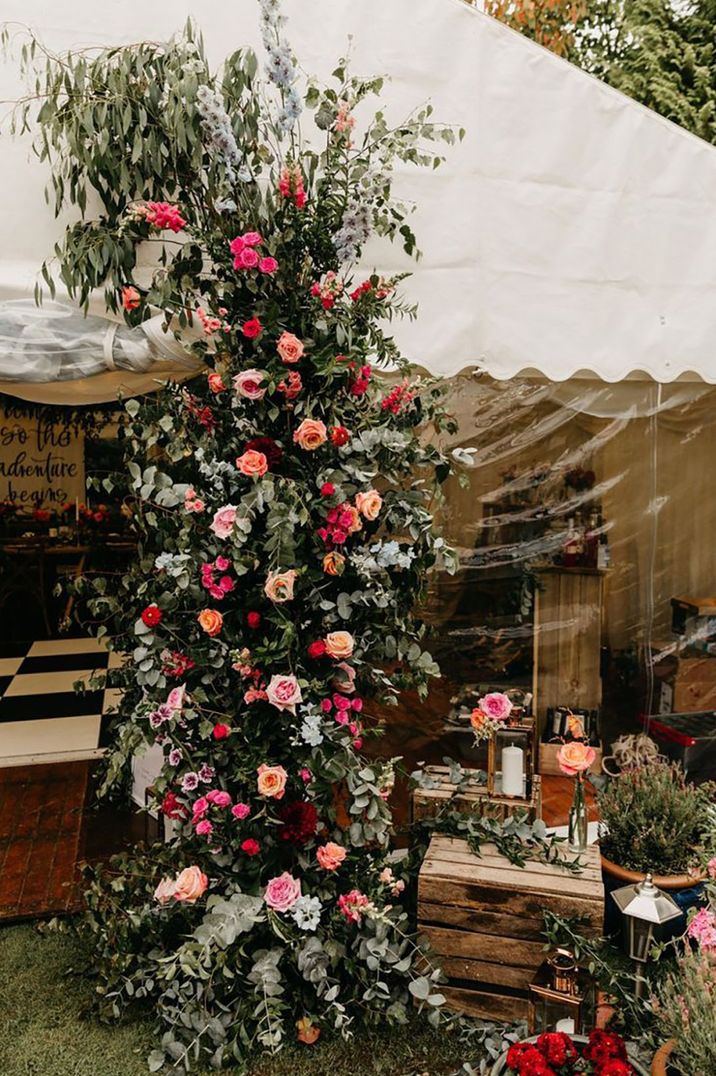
x=41 y=462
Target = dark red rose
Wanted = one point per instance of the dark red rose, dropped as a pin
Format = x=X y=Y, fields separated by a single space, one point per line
x=220 y=732
x=253 y=620
x=557 y=1048
x=615 y=1067
x=317 y=649
x=250 y=846
x=300 y=822
x=151 y=616
x=272 y=451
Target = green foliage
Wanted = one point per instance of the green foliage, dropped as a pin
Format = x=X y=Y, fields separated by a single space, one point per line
x=685 y=1006
x=655 y=821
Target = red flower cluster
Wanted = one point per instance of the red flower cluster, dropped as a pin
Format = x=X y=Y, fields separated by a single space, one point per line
x=172 y=808
x=555 y=1054
x=340 y=523
x=398 y=398
x=267 y=445
x=290 y=186
x=328 y=289
x=339 y=436
x=300 y=822
x=163 y=215
x=203 y=415
x=176 y=664
x=381 y=292
x=291 y=386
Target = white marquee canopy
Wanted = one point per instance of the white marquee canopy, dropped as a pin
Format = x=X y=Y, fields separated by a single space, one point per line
x=573 y=230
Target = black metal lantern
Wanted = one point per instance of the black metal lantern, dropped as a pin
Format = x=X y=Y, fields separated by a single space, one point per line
x=560 y=997
x=510 y=758
x=646 y=913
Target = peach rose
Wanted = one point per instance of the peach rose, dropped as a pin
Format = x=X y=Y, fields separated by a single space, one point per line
x=271 y=781
x=355 y=523
x=575 y=757
x=252 y=463
x=290 y=348
x=215 y=382
x=210 y=621
x=190 y=885
x=339 y=644
x=334 y=563
x=248 y=384
x=311 y=434
x=369 y=504
x=307 y=1032
x=279 y=586
x=165 y=891
x=284 y=692
x=330 y=856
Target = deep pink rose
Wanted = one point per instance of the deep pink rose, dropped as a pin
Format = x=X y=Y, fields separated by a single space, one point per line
x=248 y=384
x=246 y=259
x=496 y=705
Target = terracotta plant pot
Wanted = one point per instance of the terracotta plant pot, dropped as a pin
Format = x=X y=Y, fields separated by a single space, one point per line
x=686 y=889
x=660 y=1064
x=661 y=881
x=500 y=1066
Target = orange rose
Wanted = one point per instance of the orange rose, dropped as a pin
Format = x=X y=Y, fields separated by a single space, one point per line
x=356 y=522
x=290 y=348
x=271 y=781
x=252 y=463
x=311 y=434
x=575 y=757
x=279 y=586
x=334 y=563
x=478 y=720
x=307 y=1032
x=210 y=621
x=369 y=504
x=190 y=885
x=330 y=856
x=339 y=644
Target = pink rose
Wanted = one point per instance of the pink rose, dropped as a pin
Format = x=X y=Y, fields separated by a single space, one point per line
x=330 y=856
x=344 y=678
x=248 y=384
x=215 y=382
x=199 y=808
x=246 y=258
x=289 y=347
x=252 y=239
x=223 y=522
x=271 y=781
x=190 y=885
x=204 y=828
x=283 y=692
x=311 y=434
x=219 y=798
x=575 y=757
x=165 y=891
x=496 y=705
x=282 y=893
x=268 y=265
x=241 y=811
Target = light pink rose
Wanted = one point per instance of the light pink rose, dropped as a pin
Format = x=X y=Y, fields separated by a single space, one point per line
x=330 y=856
x=165 y=891
x=248 y=384
x=290 y=348
x=283 y=692
x=190 y=885
x=282 y=893
x=496 y=705
x=344 y=678
x=223 y=522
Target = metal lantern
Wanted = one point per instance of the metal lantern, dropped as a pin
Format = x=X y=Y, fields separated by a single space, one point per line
x=510 y=758
x=646 y=913
x=560 y=997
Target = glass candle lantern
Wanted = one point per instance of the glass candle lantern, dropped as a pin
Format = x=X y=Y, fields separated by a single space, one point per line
x=510 y=758
x=561 y=996
x=646 y=914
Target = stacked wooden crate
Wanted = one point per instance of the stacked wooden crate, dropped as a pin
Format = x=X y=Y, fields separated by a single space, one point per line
x=472 y=796
x=484 y=920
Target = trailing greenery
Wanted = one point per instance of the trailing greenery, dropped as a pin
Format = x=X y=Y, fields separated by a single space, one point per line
x=685 y=1007
x=654 y=820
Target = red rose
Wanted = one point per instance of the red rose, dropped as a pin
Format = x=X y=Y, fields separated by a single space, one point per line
x=250 y=846
x=339 y=436
x=251 y=328
x=220 y=732
x=327 y=489
x=266 y=445
x=557 y=1048
x=171 y=807
x=253 y=620
x=317 y=649
x=151 y=616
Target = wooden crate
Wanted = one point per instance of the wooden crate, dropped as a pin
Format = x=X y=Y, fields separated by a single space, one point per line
x=548 y=765
x=483 y=919
x=426 y=802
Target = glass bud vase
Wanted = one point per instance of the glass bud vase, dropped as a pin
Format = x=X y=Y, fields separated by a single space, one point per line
x=577 y=834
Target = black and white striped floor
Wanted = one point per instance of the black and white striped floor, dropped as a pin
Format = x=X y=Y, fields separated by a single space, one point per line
x=42 y=717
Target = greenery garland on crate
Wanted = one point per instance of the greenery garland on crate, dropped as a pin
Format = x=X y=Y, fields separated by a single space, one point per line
x=282 y=508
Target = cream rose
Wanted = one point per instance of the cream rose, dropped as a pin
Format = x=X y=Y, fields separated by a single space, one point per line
x=248 y=384
x=252 y=463
x=339 y=644
x=279 y=586
x=330 y=856
x=271 y=781
x=284 y=693
x=290 y=348
x=311 y=434
x=369 y=504
x=190 y=885
x=165 y=891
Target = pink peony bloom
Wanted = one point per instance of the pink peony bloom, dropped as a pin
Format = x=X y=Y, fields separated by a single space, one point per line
x=246 y=259
x=223 y=522
x=282 y=893
x=284 y=692
x=496 y=705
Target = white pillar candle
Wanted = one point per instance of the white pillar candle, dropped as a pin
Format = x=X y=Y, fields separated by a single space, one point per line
x=513 y=771
x=566 y=1026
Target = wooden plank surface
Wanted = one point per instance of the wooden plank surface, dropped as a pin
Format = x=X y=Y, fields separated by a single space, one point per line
x=531 y=906
x=488 y=948
x=504 y=1008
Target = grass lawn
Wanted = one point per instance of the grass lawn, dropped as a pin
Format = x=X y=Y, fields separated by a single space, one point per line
x=45 y=1029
